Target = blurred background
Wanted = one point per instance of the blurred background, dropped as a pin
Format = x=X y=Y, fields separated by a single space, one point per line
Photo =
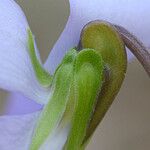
x=126 y=126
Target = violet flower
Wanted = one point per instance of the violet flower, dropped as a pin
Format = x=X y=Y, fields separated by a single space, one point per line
x=17 y=71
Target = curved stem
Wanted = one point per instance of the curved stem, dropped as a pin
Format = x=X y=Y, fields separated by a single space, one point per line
x=136 y=47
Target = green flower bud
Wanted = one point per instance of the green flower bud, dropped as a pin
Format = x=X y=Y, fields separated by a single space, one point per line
x=103 y=37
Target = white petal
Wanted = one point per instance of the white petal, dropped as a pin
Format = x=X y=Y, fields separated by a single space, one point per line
x=132 y=14
x=57 y=140
x=16 y=131
x=16 y=72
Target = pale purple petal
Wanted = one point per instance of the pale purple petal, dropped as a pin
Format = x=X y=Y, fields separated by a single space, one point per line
x=16 y=131
x=16 y=71
x=132 y=14
x=19 y=104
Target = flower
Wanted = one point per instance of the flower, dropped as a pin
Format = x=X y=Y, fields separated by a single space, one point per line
x=17 y=71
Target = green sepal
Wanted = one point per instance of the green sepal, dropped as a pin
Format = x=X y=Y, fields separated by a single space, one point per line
x=102 y=37
x=54 y=110
x=42 y=75
x=88 y=71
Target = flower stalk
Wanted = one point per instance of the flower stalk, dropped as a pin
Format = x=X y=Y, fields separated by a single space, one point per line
x=136 y=47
